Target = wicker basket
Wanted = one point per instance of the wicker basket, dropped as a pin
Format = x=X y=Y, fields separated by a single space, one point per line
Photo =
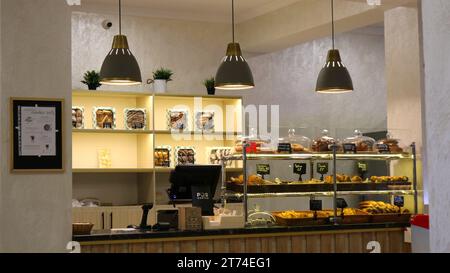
x=82 y=228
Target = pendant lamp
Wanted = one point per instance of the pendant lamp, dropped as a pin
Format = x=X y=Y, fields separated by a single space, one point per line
x=234 y=72
x=334 y=77
x=120 y=66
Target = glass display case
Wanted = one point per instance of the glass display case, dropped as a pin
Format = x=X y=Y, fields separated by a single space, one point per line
x=323 y=143
x=358 y=143
x=354 y=196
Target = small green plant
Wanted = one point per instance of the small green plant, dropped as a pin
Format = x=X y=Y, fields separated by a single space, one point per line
x=163 y=74
x=92 y=79
x=209 y=83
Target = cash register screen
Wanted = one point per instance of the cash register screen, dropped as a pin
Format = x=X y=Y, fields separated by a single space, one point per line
x=186 y=177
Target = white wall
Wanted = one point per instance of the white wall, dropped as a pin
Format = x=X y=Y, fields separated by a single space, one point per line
x=288 y=78
x=35 y=62
x=436 y=123
x=192 y=50
x=403 y=74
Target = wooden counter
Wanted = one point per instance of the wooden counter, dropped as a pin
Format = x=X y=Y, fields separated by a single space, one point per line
x=324 y=239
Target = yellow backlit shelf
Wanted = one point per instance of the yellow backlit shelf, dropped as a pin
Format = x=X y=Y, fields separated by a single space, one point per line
x=168 y=132
x=111 y=131
x=132 y=151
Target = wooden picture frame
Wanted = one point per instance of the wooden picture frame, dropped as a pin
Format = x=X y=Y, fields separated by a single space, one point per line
x=37 y=135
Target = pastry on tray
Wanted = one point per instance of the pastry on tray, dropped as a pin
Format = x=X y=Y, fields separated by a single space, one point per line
x=386 y=179
x=252 y=180
x=378 y=207
x=341 y=178
x=290 y=214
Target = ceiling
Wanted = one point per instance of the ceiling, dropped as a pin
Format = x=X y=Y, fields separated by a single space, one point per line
x=201 y=10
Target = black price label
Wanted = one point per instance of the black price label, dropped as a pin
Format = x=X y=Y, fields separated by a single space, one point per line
x=399 y=201
x=300 y=168
x=383 y=148
x=341 y=203
x=263 y=169
x=362 y=167
x=315 y=205
x=349 y=148
x=322 y=168
x=284 y=148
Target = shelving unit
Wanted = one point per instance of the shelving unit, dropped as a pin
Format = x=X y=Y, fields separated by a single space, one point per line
x=132 y=150
x=246 y=158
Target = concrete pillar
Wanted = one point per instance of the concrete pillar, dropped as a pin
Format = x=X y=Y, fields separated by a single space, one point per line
x=404 y=86
x=436 y=123
x=35 y=62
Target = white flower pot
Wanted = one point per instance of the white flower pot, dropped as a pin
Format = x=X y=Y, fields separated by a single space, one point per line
x=160 y=86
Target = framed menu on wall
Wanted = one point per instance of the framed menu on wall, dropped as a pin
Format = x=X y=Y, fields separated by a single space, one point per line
x=37 y=135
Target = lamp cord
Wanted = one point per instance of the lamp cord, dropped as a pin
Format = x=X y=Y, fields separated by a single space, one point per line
x=120 y=17
x=232 y=18
x=332 y=22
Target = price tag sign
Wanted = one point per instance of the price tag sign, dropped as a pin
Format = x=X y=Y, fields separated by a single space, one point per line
x=341 y=203
x=322 y=168
x=349 y=148
x=284 y=148
x=362 y=167
x=399 y=201
x=383 y=148
x=315 y=205
x=300 y=169
x=263 y=169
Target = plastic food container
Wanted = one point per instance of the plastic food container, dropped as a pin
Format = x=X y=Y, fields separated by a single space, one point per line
x=362 y=143
x=323 y=143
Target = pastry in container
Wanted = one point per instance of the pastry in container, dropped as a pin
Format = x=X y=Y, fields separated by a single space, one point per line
x=255 y=145
x=323 y=143
x=362 y=143
x=388 y=144
x=299 y=143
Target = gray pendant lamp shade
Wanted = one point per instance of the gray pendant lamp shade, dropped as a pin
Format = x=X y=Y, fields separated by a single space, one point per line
x=334 y=77
x=120 y=66
x=234 y=72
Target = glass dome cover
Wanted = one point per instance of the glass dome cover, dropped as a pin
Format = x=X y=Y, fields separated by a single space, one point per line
x=391 y=142
x=362 y=143
x=323 y=143
x=256 y=144
x=299 y=143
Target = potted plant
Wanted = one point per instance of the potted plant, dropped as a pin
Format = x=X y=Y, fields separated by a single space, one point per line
x=209 y=84
x=92 y=79
x=160 y=79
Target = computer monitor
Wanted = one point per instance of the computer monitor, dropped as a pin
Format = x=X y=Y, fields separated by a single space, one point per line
x=196 y=184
